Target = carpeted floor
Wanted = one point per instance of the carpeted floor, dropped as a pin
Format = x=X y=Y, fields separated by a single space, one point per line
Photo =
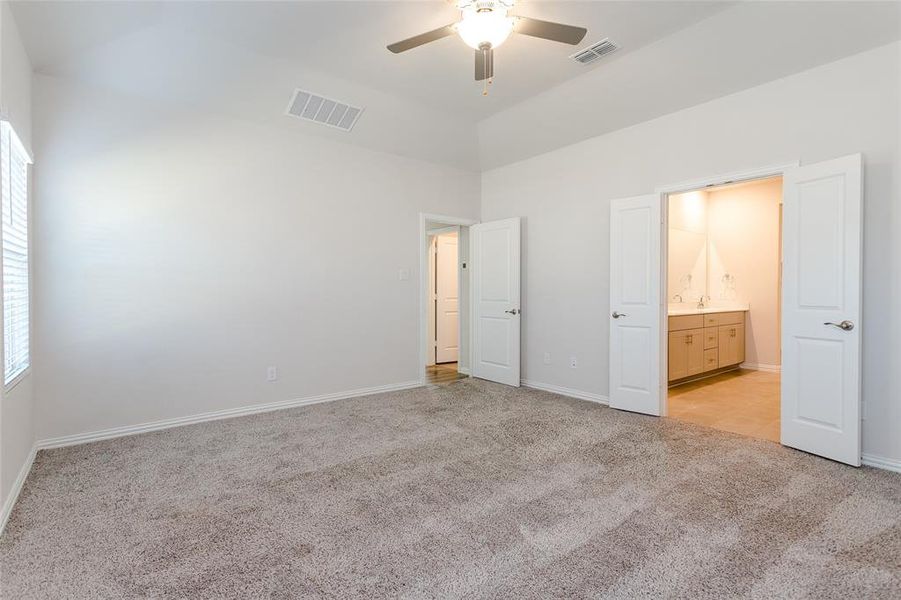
x=468 y=490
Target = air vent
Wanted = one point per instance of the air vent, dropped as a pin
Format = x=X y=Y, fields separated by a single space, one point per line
x=325 y=111
x=594 y=52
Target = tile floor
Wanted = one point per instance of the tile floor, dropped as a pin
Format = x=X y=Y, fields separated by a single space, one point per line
x=742 y=401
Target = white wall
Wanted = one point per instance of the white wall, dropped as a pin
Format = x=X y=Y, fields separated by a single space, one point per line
x=16 y=405
x=744 y=240
x=182 y=253
x=848 y=106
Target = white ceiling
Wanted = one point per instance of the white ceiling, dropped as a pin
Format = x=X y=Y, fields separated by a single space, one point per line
x=347 y=40
x=244 y=59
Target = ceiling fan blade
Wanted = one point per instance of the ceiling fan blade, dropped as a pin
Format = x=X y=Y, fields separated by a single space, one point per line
x=484 y=64
x=547 y=30
x=422 y=38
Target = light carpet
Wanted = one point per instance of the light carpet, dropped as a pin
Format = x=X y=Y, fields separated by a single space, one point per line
x=468 y=490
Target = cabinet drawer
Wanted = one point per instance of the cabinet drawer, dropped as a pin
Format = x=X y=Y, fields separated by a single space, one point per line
x=711 y=359
x=724 y=318
x=711 y=337
x=731 y=318
x=686 y=322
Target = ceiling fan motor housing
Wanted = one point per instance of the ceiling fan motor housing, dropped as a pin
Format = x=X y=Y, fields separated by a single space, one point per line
x=481 y=6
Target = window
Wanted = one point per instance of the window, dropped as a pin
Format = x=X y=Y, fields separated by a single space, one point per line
x=14 y=183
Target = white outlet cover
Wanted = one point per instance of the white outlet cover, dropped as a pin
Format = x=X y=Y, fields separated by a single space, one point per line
x=403 y=274
x=573 y=363
x=547 y=358
x=271 y=374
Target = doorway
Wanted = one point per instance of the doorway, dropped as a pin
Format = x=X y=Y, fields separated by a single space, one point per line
x=444 y=331
x=723 y=261
x=820 y=312
x=444 y=294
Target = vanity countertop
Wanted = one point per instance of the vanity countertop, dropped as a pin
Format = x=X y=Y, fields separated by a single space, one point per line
x=677 y=310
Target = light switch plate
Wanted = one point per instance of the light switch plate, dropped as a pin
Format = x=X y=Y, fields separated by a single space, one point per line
x=403 y=274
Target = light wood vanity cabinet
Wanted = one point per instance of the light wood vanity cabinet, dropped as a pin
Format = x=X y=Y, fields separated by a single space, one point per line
x=702 y=343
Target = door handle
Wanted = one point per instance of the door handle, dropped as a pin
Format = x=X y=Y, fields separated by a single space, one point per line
x=844 y=325
x=617 y=315
x=513 y=311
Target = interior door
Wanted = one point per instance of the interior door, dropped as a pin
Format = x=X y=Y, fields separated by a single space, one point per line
x=636 y=310
x=821 y=309
x=447 y=299
x=495 y=259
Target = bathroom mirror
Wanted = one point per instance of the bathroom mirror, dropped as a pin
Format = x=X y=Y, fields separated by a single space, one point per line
x=687 y=265
x=687 y=261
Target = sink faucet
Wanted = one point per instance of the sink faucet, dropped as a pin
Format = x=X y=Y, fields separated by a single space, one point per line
x=701 y=301
x=679 y=296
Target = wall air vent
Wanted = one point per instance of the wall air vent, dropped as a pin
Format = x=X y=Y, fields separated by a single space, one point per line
x=594 y=52
x=324 y=111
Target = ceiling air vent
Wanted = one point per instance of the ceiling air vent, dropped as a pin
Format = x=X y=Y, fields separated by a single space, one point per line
x=322 y=110
x=594 y=52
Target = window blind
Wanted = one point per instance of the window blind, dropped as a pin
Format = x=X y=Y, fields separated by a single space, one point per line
x=14 y=183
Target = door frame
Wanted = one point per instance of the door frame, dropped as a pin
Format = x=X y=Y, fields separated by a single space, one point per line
x=690 y=186
x=422 y=251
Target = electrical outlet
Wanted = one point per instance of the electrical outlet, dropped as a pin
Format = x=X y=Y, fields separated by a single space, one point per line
x=271 y=373
x=573 y=363
x=547 y=358
x=403 y=274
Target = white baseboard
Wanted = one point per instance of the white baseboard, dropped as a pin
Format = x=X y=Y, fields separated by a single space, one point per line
x=463 y=370
x=18 y=484
x=106 y=434
x=761 y=367
x=880 y=462
x=556 y=389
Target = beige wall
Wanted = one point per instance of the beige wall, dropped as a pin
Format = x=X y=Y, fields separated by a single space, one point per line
x=743 y=233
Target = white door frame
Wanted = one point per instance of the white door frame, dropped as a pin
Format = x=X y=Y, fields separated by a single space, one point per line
x=690 y=186
x=422 y=251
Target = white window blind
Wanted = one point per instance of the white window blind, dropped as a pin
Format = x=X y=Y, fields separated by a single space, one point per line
x=14 y=182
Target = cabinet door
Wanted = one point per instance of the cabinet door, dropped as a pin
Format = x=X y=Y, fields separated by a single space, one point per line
x=731 y=344
x=694 y=343
x=677 y=356
x=739 y=343
x=725 y=345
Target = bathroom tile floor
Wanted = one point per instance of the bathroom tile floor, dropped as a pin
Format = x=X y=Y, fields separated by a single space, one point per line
x=742 y=401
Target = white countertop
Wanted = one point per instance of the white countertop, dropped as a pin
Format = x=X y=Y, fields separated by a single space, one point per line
x=677 y=310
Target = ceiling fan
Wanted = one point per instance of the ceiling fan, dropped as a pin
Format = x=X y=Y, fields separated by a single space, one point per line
x=485 y=25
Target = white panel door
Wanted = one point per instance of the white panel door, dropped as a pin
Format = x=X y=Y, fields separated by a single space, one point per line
x=635 y=305
x=495 y=250
x=821 y=309
x=447 y=299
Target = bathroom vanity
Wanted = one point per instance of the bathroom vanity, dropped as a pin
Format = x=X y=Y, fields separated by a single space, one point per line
x=705 y=340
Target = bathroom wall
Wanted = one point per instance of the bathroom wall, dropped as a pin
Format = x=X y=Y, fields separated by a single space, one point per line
x=687 y=262
x=743 y=231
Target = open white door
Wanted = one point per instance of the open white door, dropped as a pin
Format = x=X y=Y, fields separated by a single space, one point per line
x=821 y=309
x=495 y=307
x=635 y=305
x=447 y=299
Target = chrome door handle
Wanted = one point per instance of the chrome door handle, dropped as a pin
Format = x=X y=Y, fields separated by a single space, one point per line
x=844 y=325
x=512 y=311
x=617 y=315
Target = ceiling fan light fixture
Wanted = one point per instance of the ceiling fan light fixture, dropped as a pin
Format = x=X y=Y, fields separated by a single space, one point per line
x=491 y=27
